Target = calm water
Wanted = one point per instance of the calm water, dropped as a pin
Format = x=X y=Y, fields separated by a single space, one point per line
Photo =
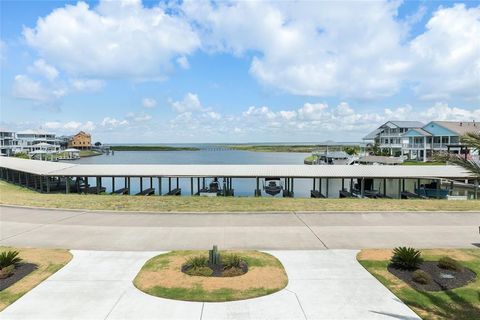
x=213 y=155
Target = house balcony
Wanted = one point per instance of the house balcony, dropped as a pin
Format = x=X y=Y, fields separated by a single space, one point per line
x=390 y=145
x=430 y=146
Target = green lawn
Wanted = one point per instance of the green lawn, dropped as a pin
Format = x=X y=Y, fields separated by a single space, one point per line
x=15 y=195
x=461 y=303
x=421 y=163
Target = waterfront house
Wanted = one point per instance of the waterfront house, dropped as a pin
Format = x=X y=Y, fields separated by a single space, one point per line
x=81 y=140
x=437 y=136
x=8 y=142
x=389 y=135
x=32 y=140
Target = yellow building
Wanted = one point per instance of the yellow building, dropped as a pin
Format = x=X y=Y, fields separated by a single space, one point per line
x=81 y=140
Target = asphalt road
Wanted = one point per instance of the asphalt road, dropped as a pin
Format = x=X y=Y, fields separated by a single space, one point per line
x=133 y=231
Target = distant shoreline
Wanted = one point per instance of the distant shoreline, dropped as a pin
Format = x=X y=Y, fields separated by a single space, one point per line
x=152 y=148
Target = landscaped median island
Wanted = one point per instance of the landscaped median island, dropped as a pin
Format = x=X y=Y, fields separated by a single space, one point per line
x=211 y=276
x=435 y=283
x=15 y=195
x=22 y=269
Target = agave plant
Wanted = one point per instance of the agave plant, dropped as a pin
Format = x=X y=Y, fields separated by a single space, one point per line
x=406 y=258
x=8 y=258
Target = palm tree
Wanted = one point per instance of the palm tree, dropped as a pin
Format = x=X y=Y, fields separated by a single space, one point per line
x=472 y=140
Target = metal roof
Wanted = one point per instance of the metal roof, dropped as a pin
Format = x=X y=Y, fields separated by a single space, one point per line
x=47 y=168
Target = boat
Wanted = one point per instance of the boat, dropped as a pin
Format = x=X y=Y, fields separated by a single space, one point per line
x=213 y=189
x=272 y=186
x=334 y=157
x=432 y=190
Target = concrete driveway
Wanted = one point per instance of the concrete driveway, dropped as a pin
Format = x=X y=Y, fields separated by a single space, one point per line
x=325 y=284
x=135 y=231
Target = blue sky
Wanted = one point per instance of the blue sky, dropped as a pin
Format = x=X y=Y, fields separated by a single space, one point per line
x=132 y=71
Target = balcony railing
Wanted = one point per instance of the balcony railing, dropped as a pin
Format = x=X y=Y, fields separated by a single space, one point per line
x=435 y=146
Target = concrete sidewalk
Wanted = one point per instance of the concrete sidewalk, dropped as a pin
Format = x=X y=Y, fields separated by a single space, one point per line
x=325 y=284
x=135 y=231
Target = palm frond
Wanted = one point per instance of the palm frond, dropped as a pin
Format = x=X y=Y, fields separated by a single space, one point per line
x=469 y=165
x=472 y=140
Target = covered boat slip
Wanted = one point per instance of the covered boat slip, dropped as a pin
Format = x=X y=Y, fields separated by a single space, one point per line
x=66 y=177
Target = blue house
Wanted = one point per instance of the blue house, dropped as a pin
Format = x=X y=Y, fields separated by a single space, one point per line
x=436 y=136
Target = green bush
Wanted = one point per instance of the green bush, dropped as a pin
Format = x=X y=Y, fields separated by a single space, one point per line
x=8 y=258
x=232 y=261
x=420 y=276
x=449 y=264
x=232 y=272
x=197 y=262
x=21 y=155
x=406 y=258
x=199 y=271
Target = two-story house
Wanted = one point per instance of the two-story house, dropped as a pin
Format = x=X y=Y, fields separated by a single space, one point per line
x=437 y=136
x=81 y=140
x=31 y=140
x=8 y=142
x=390 y=134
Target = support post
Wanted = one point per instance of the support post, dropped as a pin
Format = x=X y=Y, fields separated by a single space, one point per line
x=384 y=186
x=113 y=184
x=191 y=186
x=362 y=188
x=203 y=183
x=98 y=185
x=67 y=185
x=327 y=187
x=313 y=188
x=48 y=184
x=177 y=182
x=351 y=185
x=257 y=190
x=26 y=180
x=399 y=188
x=320 y=185
x=159 y=186
x=343 y=184
x=403 y=184
x=198 y=186
x=128 y=181
x=169 y=184
x=141 y=184
x=292 y=193
x=151 y=182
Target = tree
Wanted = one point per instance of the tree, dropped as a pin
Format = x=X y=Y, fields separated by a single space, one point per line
x=22 y=155
x=471 y=140
x=98 y=144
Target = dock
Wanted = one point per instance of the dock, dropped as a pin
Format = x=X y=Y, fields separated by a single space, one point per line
x=47 y=177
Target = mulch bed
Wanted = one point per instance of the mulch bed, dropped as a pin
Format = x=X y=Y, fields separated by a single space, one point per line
x=218 y=269
x=442 y=279
x=21 y=270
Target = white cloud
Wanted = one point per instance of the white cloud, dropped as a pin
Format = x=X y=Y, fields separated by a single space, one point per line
x=26 y=88
x=112 y=122
x=70 y=126
x=139 y=117
x=44 y=69
x=442 y=111
x=87 y=85
x=149 y=102
x=183 y=62
x=189 y=103
x=113 y=39
x=448 y=54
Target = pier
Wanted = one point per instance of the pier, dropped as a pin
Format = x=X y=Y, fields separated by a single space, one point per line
x=356 y=181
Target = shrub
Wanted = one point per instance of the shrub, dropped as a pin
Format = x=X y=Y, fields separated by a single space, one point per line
x=197 y=262
x=406 y=258
x=232 y=261
x=449 y=264
x=420 y=276
x=8 y=258
x=7 y=271
x=199 y=271
x=232 y=272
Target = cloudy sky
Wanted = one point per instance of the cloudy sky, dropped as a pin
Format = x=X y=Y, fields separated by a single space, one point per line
x=172 y=71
